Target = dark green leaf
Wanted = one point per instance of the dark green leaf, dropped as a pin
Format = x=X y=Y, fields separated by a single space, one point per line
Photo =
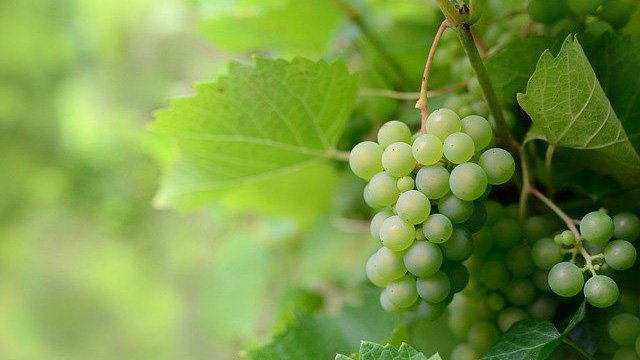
x=568 y=106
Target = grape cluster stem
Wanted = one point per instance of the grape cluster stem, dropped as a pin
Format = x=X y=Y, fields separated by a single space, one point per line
x=423 y=103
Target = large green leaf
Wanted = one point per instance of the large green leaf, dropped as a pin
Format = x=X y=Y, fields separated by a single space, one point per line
x=256 y=134
x=373 y=351
x=321 y=336
x=568 y=106
x=532 y=339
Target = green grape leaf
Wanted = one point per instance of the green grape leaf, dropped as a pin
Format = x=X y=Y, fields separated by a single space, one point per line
x=567 y=104
x=296 y=27
x=322 y=336
x=532 y=339
x=512 y=66
x=258 y=134
x=373 y=351
x=614 y=58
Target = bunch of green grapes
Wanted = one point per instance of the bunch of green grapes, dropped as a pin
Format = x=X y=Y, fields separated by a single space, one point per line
x=429 y=193
x=574 y=16
x=601 y=246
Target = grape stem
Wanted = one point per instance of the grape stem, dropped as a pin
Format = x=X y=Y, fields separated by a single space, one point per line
x=337 y=155
x=561 y=214
x=399 y=95
x=548 y=169
x=422 y=103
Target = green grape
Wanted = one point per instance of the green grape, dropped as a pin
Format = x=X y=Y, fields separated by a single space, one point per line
x=385 y=265
x=458 y=148
x=479 y=129
x=596 y=227
x=402 y=292
x=494 y=275
x=495 y=301
x=495 y=211
x=460 y=323
x=429 y=311
x=482 y=241
x=423 y=258
x=393 y=131
x=601 y=291
x=624 y=329
x=461 y=303
x=365 y=159
x=509 y=316
x=507 y=232
x=543 y=308
x=616 y=13
x=540 y=278
x=629 y=301
x=406 y=183
x=460 y=246
x=413 y=207
x=398 y=160
x=482 y=336
x=519 y=261
x=376 y=223
x=468 y=181
x=546 y=253
x=567 y=26
x=547 y=11
x=521 y=292
x=567 y=238
x=584 y=7
x=433 y=181
x=368 y=198
x=620 y=255
x=598 y=28
x=478 y=219
x=437 y=228
x=625 y=353
x=535 y=228
x=397 y=234
x=566 y=279
x=382 y=189
x=427 y=149
x=386 y=303
x=434 y=288
x=442 y=123
x=626 y=226
x=464 y=352
x=498 y=164
x=458 y=275
x=458 y=211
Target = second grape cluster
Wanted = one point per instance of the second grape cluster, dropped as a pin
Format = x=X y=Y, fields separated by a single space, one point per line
x=428 y=190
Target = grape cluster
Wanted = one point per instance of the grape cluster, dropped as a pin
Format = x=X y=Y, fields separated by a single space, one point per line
x=429 y=194
x=573 y=16
x=623 y=340
x=603 y=245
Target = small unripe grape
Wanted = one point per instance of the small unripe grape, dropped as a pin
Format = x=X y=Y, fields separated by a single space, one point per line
x=624 y=329
x=464 y=351
x=479 y=129
x=458 y=148
x=620 y=254
x=398 y=160
x=386 y=303
x=427 y=149
x=567 y=238
x=393 y=131
x=601 y=291
x=406 y=183
x=382 y=190
x=566 y=279
x=543 y=308
x=457 y=210
x=482 y=241
x=616 y=13
x=365 y=159
x=458 y=275
x=495 y=301
x=541 y=280
x=430 y=311
x=596 y=227
x=567 y=26
x=402 y=292
x=468 y=181
x=494 y=275
x=535 y=228
x=519 y=261
x=478 y=219
x=495 y=211
x=434 y=288
x=546 y=253
x=625 y=353
x=521 y=292
x=547 y=11
x=423 y=258
x=397 y=234
x=498 y=164
x=460 y=246
x=385 y=265
x=482 y=336
x=598 y=28
x=376 y=223
x=584 y=7
x=437 y=229
x=442 y=123
x=433 y=181
x=626 y=226
x=507 y=232
x=413 y=207
x=509 y=316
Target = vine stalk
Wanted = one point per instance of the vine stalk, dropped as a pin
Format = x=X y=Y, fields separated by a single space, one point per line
x=423 y=103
